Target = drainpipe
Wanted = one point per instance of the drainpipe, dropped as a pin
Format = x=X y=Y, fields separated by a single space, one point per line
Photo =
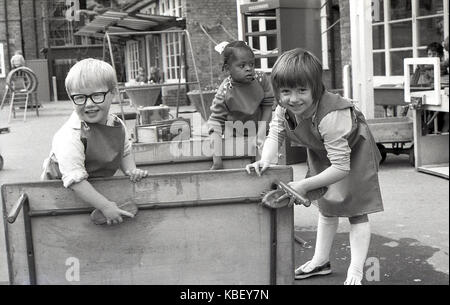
x=5 y=8
x=35 y=29
x=22 y=41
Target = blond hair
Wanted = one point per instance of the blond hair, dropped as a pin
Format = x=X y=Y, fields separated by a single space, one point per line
x=90 y=72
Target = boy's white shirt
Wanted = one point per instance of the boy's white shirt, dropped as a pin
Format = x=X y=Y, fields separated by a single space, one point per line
x=334 y=128
x=68 y=149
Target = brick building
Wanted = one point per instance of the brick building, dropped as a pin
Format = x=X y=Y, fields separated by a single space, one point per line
x=409 y=25
x=20 y=30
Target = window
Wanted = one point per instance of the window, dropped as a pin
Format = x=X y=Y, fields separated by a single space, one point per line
x=171 y=8
x=2 y=62
x=171 y=57
x=265 y=45
x=132 y=59
x=403 y=28
x=153 y=43
x=151 y=9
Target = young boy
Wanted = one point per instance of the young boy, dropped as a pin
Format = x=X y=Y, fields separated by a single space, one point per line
x=92 y=143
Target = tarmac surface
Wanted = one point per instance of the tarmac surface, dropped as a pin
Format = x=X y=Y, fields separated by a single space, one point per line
x=410 y=238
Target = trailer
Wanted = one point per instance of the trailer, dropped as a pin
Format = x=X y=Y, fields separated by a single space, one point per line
x=204 y=227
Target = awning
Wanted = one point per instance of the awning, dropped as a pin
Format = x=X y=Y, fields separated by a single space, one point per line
x=117 y=22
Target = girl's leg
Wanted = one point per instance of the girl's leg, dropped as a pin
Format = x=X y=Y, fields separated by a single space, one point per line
x=359 y=246
x=326 y=230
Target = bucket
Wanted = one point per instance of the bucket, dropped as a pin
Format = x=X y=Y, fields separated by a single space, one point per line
x=143 y=96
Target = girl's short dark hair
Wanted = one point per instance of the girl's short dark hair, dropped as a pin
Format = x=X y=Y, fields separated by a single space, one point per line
x=298 y=68
x=436 y=47
x=229 y=51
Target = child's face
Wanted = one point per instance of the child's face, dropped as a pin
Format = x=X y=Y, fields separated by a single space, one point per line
x=298 y=100
x=91 y=112
x=242 y=68
x=432 y=53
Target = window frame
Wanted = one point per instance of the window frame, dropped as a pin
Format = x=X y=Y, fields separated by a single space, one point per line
x=132 y=59
x=171 y=8
x=388 y=78
x=262 y=39
x=170 y=59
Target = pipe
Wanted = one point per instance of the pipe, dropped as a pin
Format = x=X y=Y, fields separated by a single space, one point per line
x=36 y=38
x=8 y=54
x=22 y=41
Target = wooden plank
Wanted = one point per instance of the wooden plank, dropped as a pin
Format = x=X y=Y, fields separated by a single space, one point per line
x=192 y=150
x=197 y=244
x=200 y=165
x=433 y=149
x=440 y=170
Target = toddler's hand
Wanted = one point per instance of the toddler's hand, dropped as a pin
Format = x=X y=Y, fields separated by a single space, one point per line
x=114 y=215
x=259 y=166
x=136 y=174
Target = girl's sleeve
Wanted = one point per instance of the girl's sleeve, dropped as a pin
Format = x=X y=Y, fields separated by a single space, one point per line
x=68 y=150
x=277 y=132
x=334 y=129
x=267 y=87
x=219 y=110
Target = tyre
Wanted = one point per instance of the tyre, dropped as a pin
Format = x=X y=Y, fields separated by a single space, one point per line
x=1 y=162
x=412 y=159
x=383 y=153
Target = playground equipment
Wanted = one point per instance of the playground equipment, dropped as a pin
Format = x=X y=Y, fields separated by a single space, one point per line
x=146 y=95
x=21 y=83
x=430 y=150
x=190 y=229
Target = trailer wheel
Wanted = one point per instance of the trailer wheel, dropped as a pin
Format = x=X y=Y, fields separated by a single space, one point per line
x=412 y=159
x=383 y=153
x=1 y=162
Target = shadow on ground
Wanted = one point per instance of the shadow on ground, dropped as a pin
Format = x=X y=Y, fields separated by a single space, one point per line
x=402 y=262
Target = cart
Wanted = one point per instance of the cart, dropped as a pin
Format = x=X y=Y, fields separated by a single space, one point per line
x=393 y=134
x=189 y=230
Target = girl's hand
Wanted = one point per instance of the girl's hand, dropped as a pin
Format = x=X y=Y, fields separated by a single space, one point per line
x=113 y=214
x=298 y=186
x=259 y=166
x=136 y=174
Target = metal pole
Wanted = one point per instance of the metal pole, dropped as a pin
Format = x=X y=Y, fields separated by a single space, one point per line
x=110 y=51
x=55 y=91
x=195 y=71
x=114 y=67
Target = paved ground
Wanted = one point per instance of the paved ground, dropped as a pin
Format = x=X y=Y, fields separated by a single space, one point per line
x=410 y=239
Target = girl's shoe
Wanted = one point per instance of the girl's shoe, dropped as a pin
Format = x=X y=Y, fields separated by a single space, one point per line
x=319 y=270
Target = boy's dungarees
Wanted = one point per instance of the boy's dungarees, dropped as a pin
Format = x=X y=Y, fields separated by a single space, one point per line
x=359 y=192
x=103 y=151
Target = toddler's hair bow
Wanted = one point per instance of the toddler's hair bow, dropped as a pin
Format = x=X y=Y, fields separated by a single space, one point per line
x=221 y=46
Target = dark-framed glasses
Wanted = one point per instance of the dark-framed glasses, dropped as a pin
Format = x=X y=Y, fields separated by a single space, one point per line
x=96 y=97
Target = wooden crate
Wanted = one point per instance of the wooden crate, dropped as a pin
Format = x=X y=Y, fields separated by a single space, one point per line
x=192 y=228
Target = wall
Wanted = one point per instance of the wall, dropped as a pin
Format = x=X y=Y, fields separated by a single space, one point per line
x=210 y=14
x=31 y=29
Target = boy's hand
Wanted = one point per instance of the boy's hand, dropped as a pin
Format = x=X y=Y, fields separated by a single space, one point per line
x=259 y=167
x=136 y=174
x=114 y=215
